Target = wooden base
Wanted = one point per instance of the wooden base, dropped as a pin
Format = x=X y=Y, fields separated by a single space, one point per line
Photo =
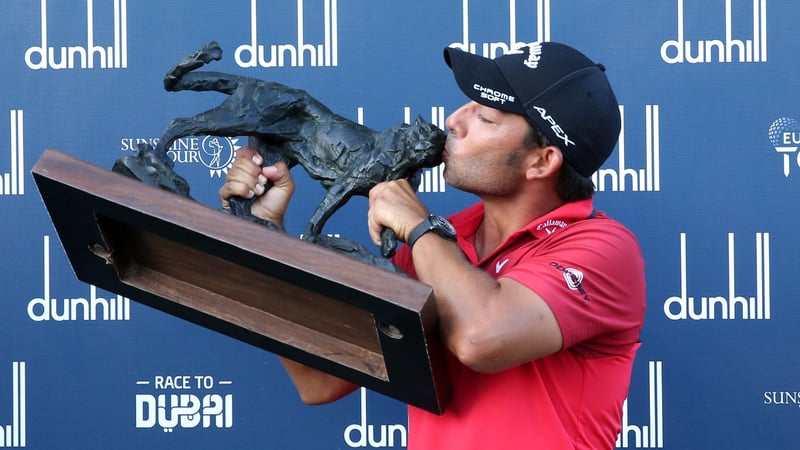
x=296 y=299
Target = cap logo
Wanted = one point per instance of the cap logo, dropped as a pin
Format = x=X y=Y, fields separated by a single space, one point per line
x=534 y=55
x=560 y=133
x=493 y=95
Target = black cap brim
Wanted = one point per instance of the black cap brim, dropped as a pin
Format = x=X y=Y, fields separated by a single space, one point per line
x=475 y=75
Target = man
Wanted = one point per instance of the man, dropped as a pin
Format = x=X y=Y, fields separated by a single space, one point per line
x=541 y=298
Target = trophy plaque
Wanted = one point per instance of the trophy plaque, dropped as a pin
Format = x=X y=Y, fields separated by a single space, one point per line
x=299 y=300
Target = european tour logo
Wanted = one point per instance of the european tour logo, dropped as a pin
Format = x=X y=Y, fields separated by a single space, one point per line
x=732 y=305
x=498 y=48
x=784 y=135
x=325 y=54
x=622 y=177
x=723 y=50
x=89 y=56
x=13 y=181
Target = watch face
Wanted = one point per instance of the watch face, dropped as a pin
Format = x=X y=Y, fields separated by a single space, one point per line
x=444 y=225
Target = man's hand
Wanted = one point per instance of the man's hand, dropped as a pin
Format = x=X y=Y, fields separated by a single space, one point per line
x=247 y=179
x=395 y=205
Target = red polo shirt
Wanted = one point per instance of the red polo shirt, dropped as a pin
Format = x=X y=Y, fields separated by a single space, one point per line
x=590 y=271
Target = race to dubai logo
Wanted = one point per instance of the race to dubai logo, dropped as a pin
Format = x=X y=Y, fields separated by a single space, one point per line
x=185 y=402
x=784 y=135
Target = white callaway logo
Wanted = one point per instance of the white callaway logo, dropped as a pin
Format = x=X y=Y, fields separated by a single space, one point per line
x=551 y=226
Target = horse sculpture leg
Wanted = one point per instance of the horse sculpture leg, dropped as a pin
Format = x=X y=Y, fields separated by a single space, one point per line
x=200 y=57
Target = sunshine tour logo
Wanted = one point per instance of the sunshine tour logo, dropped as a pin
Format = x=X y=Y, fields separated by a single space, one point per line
x=175 y=405
x=255 y=54
x=784 y=135
x=46 y=308
x=733 y=305
x=13 y=182
x=676 y=51
x=362 y=435
x=622 y=178
x=89 y=56
x=652 y=434
x=494 y=49
x=214 y=152
x=14 y=434
x=782 y=398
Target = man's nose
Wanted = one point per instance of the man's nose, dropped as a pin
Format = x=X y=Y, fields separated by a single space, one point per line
x=454 y=120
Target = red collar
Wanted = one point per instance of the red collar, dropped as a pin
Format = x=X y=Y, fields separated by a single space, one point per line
x=468 y=221
x=560 y=218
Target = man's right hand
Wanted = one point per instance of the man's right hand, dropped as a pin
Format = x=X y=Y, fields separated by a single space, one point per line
x=247 y=179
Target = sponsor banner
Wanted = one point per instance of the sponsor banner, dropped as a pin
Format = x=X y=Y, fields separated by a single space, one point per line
x=705 y=173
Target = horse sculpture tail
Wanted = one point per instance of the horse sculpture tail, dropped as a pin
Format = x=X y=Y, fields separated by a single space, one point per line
x=199 y=58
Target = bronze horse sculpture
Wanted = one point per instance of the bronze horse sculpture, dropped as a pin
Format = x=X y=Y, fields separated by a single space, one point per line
x=289 y=125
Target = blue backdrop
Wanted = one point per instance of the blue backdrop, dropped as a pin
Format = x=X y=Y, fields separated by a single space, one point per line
x=705 y=173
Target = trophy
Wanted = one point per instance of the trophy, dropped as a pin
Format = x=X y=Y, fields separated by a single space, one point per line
x=323 y=301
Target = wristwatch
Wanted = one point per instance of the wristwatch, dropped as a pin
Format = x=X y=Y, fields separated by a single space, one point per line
x=437 y=224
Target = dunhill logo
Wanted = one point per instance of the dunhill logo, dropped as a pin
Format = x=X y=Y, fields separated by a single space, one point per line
x=47 y=308
x=294 y=55
x=623 y=177
x=728 y=50
x=14 y=434
x=110 y=57
x=732 y=306
x=13 y=182
x=651 y=435
x=495 y=49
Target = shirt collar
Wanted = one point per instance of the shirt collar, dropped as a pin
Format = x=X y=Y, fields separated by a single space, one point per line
x=560 y=218
x=550 y=223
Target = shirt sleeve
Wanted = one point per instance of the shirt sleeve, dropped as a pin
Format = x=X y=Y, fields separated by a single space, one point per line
x=592 y=278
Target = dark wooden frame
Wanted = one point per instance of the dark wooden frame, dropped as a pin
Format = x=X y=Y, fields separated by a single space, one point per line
x=290 y=297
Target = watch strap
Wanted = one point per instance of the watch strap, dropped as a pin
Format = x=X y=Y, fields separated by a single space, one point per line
x=423 y=227
x=431 y=223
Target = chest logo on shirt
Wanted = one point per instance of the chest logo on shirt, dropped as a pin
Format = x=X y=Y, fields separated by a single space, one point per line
x=498 y=266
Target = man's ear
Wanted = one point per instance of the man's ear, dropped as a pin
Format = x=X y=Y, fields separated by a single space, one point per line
x=544 y=162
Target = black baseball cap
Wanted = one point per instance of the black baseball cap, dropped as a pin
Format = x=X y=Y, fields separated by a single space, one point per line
x=557 y=88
